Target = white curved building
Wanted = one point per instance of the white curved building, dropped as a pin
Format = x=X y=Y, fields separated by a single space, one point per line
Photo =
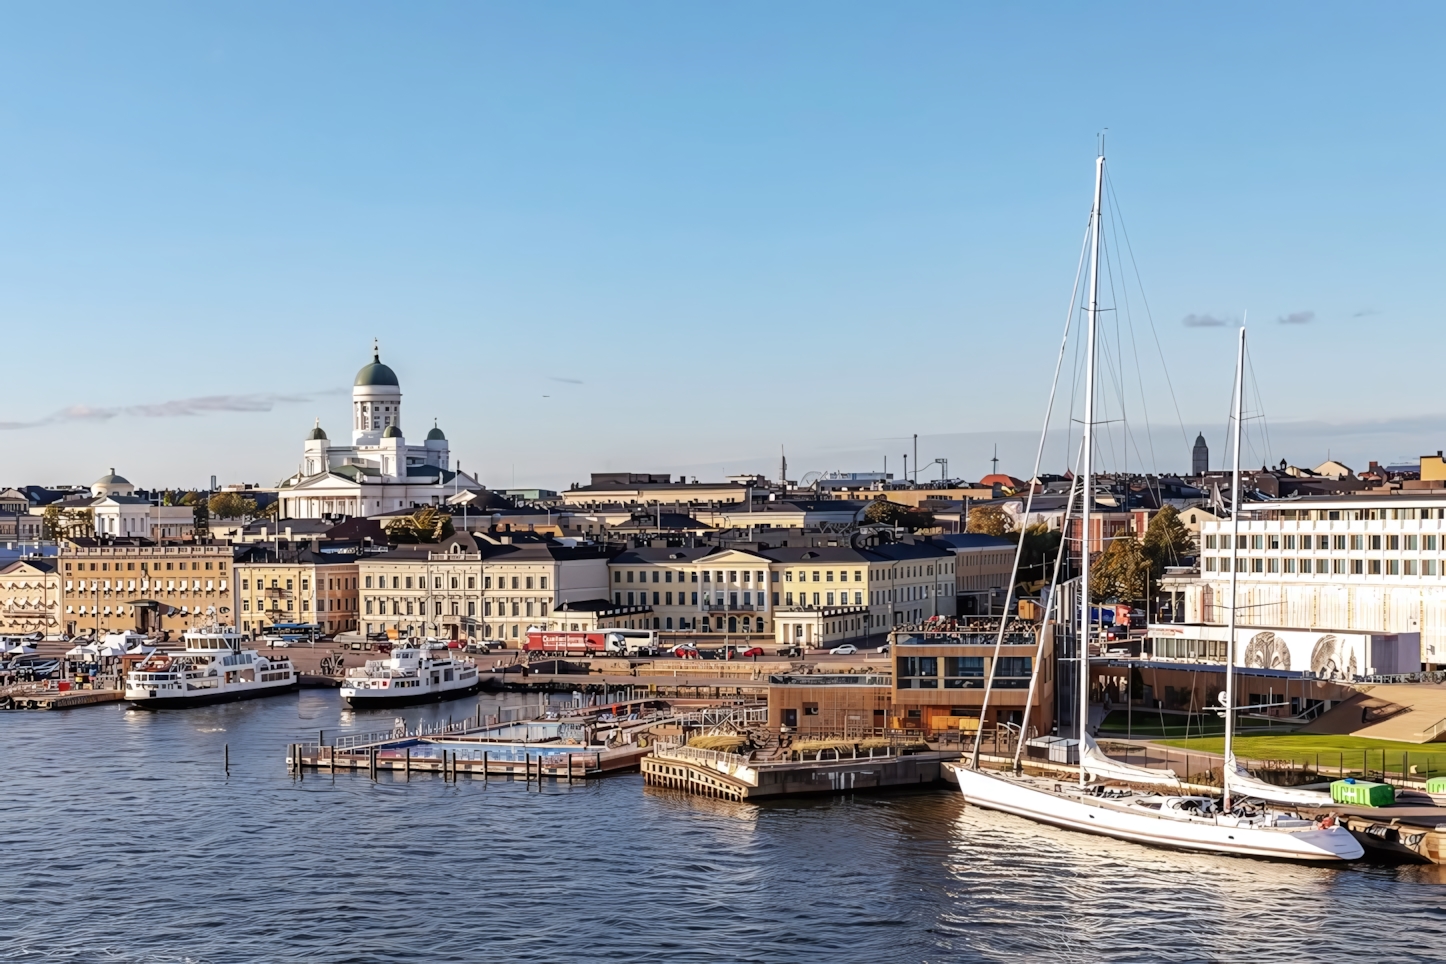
x=379 y=471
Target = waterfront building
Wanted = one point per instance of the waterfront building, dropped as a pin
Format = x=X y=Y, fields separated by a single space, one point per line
x=118 y=513
x=30 y=596
x=939 y=680
x=295 y=586
x=379 y=471
x=111 y=585
x=1366 y=563
x=484 y=587
x=799 y=595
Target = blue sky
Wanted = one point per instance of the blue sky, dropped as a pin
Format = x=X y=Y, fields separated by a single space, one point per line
x=669 y=237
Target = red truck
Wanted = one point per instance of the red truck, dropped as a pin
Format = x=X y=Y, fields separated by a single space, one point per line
x=611 y=642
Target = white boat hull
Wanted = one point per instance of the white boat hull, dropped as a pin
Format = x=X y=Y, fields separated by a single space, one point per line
x=1000 y=792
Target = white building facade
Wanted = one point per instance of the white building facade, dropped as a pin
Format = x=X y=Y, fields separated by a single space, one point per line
x=1354 y=564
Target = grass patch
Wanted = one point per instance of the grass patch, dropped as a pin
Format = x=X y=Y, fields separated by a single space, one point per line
x=1354 y=753
x=1152 y=724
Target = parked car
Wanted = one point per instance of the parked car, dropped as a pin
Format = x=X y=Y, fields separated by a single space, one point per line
x=685 y=652
x=790 y=652
x=751 y=651
x=883 y=649
x=847 y=649
x=455 y=644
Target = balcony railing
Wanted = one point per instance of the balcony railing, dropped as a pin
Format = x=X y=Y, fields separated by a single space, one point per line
x=734 y=607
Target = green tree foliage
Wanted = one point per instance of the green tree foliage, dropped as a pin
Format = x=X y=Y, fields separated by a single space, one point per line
x=58 y=523
x=883 y=512
x=1036 y=560
x=1121 y=572
x=990 y=520
x=425 y=525
x=1167 y=541
x=231 y=505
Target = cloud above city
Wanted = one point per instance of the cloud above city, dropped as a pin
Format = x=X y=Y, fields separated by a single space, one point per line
x=175 y=408
x=1205 y=321
x=1297 y=318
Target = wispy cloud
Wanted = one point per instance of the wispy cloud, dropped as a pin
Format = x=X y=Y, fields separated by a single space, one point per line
x=566 y=381
x=1204 y=321
x=1365 y=313
x=1297 y=318
x=180 y=407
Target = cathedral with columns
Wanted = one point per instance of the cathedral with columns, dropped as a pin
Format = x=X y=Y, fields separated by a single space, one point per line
x=379 y=472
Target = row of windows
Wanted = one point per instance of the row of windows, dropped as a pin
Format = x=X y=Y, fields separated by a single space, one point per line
x=330 y=584
x=757 y=576
x=840 y=598
x=1410 y=542
x=455 y=582
x=99 y=585
x=1339 y=567
x=321 y=605
x=145 y=567
x=1351 y=515
x=962 y=672
x=410 y=607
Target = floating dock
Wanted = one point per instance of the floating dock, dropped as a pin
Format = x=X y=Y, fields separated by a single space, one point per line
x=58 y=699
x=731 y=776
x=590 y=742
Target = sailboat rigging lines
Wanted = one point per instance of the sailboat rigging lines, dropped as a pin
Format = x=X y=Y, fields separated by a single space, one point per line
x=1174 y=818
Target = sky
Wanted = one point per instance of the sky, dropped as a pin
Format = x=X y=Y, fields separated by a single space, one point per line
x=678 y=238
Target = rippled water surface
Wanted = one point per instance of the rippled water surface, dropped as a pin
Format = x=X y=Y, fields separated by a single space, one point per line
x=122 y=839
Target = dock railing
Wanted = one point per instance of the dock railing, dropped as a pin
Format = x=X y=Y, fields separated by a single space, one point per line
x=696 y=754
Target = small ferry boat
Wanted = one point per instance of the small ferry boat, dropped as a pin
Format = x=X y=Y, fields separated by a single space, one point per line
x=411 y=674
x=214 y=667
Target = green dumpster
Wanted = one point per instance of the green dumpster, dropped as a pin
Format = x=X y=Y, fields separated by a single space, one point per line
x=1362 y=793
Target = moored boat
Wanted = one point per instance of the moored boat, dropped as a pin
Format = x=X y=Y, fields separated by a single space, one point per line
x=214 y=667
x=411 y=674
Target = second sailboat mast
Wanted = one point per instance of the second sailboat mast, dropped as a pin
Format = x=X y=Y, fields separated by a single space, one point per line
x=1087 y=493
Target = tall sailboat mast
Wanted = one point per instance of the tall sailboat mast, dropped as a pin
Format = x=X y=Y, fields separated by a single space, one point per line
x=1234 y=564
x=1087 y=488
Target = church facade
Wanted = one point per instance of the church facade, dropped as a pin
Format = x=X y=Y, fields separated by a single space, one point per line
x=379 y=471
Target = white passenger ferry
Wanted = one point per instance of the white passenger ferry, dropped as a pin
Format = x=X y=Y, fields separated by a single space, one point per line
x=214 y=667
x=412 y=674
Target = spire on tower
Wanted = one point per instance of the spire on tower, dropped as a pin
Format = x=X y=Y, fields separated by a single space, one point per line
x=376 y=350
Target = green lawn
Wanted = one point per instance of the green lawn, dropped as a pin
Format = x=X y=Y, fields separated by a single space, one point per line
x=1147 y=724
x=1353 y=753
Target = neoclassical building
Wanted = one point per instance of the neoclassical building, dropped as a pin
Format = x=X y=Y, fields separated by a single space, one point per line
x=379 y=471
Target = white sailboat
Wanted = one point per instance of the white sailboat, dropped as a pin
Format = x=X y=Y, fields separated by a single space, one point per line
x=1180 y=820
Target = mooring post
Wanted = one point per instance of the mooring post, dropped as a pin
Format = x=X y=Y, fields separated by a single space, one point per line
x=527 y=767
x=372 y=761
x=320 y=742
x=484 y=766
x=228 y=759
x=407 y=764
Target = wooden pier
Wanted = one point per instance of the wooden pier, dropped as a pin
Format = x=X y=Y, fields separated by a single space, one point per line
x=59 y=699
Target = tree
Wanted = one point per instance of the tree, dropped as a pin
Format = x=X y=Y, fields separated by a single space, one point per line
x=425 y=525
x=231 y=505
x=1167 y=541
x=1121 y=572
x=990 y=520
x=1036 y=559
x=883 y=512
x=200 y=513
x=58 y=523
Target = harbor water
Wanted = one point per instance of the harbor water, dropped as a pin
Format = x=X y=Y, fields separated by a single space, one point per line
x=123 y=839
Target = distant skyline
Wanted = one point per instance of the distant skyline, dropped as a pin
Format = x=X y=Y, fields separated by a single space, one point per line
x=661 y=238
